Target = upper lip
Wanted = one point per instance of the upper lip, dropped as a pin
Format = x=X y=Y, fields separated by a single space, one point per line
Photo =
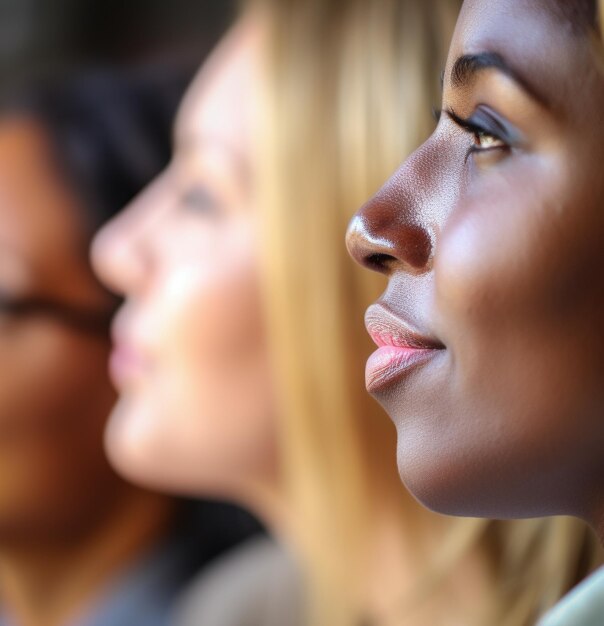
x=119 y=329
x=388 y=329
x=123 y=339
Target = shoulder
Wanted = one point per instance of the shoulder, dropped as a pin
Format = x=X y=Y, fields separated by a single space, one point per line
x=584 y=606
x=256 y=584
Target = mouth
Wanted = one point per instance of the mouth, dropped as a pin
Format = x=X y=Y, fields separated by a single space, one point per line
x=127 y=364
x=401 y=348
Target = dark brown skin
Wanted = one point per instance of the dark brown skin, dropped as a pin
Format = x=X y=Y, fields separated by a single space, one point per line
x=493 y=245
x=67 y=521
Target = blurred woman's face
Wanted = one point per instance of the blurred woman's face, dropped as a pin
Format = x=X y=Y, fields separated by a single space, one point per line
x=55 y=395
x=190 y=360
x=491 y=357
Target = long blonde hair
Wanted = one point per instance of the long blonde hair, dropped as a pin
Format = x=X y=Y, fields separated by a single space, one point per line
x=350 y=87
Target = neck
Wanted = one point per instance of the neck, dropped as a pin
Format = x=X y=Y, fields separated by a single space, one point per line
x=408 y=580
x=596 y=521
x=591 y=508
x=49 y=582
x=266 y=501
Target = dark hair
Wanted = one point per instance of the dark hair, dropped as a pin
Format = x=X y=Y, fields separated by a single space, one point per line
x=110 y=131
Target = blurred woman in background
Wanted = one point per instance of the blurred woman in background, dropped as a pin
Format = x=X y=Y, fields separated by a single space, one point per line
x=237 y=355
x=78 y=544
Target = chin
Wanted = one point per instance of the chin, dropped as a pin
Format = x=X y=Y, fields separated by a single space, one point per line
x=429 y=481
x=453 y=481
x=131 y=447
x=148 y=457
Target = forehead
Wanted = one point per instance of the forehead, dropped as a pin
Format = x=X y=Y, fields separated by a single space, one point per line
x=34 y=200
x=575 y=16
x=221 y=102
x=39 y=221
x=539 y=39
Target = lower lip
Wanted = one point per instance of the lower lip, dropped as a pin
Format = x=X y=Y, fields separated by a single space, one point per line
x=388 y=363
x=125 y=366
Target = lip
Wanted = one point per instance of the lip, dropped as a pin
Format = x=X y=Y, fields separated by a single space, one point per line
x=401 y=348
x=127 y=364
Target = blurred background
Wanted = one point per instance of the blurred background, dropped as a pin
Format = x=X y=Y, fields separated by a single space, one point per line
x=88 y=91
x=38 y=37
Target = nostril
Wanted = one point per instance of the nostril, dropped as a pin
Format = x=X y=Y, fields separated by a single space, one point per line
x=382 y=241
x=378 y=262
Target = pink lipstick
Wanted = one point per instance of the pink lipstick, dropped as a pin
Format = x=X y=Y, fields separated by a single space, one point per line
x=400 y=348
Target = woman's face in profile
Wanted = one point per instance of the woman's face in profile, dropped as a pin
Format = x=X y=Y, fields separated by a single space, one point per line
x=54 y=392
x=190 y=358
x=491 y=357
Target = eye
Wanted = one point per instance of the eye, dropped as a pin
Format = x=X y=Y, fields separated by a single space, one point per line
x=12 y=310
x=9 y=305
x=486 y=141
x=199 y=198
x=80 y=317
x=489 y=133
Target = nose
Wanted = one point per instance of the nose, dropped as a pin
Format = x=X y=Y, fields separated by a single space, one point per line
x=391 y=233
x=120 y=253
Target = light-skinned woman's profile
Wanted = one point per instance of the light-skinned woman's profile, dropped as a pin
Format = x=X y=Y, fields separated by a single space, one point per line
x=490 y=334
x=77 y=542
x=236 y=363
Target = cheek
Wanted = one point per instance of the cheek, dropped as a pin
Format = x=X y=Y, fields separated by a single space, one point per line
x=55 y=397
x=518 y=298
x=213 y=339
x=66 y=369
x=223 y=371
x=207 y=407
x=512 y=255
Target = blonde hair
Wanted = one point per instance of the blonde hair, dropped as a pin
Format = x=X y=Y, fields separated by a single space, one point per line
x=350 y=87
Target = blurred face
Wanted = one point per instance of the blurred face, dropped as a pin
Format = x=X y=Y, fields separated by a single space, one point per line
x=190 y=359
x=54 y=393
x=490 y=345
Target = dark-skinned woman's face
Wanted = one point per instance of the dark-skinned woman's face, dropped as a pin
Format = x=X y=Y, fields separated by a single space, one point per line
x=55 y=394
x=491 y=330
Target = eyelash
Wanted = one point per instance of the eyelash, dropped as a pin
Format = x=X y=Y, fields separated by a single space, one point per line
x=200 y=199
x=90 y=320
x=479 y=133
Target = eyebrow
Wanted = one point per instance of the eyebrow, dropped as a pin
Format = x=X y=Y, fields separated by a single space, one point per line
x=468 y=66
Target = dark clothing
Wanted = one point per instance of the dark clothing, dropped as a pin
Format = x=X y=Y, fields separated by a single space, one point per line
x=147 y=592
